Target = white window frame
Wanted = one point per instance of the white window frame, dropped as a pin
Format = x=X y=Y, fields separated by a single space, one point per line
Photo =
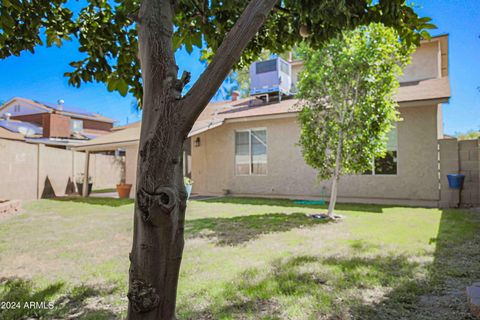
x=249 y=152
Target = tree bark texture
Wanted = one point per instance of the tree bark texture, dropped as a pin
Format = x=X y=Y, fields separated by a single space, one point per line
x=160 y=203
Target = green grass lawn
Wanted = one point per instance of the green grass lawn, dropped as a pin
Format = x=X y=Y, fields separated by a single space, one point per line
x=247 y=259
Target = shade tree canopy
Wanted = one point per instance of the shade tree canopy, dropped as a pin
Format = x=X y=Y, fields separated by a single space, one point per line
x=348 y=97
x=107 y=35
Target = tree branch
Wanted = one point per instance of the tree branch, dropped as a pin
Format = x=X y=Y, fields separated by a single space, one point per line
x=227 y=55
x=200 y=11
x=282 y=9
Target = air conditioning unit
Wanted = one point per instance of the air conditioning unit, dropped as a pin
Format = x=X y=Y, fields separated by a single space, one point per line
x=270 y=77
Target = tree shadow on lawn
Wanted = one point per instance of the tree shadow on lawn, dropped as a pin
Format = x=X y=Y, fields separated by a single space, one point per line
x=375 y=208
x=382 y=287
x=81 y=302
x=237 y=230
x=321 y=288
x=99 y=201
x=456 y=265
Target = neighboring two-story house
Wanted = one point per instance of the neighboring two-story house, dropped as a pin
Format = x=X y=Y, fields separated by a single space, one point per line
x=52 y=124
x=248 y=147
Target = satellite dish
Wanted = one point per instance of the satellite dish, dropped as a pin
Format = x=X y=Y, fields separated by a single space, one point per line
x=26 y=131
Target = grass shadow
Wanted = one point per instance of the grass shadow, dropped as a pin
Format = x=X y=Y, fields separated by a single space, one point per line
x=456 y=265
x=359 y=286
x=106 y=190
x=291 y=204
x=319 y=288
x=237 y=230
x=54 y=301
x=99 y=201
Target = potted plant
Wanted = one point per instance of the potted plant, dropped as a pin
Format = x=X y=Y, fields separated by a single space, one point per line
x=123 y=189
x=188 y=185
x=79 y=182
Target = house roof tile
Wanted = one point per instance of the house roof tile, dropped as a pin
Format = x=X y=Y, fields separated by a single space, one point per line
x=215 y=114
x=66 y=110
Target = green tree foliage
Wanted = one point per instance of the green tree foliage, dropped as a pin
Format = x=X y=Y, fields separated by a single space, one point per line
x=107 y=34
x=469 y=135
x=348 y=89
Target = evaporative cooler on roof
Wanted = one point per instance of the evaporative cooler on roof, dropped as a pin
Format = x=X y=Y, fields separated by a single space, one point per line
x=271 y=76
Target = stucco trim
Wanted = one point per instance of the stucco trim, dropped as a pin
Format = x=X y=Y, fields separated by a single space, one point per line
x=263 y=117
x=206 y=128
x=423 y=103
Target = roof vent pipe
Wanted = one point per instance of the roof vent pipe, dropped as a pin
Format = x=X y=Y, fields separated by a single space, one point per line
x=235 y=95
x=60 y=103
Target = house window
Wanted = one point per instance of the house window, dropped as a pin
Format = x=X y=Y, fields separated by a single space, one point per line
x=76 y=126
x=266 y=66
x=16 y=108
x=387 y=165
x=251 y=152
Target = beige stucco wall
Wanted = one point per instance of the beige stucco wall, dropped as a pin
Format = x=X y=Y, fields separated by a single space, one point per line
x=56 y=164
x=18 y=177
x=131 y=155
x=24 y=169
x=289 y=176
x=106 y=170
x=426 y=63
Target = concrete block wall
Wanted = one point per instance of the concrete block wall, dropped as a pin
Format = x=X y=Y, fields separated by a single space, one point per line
x=448 y=163
x=459 y=157
x=469 y=166
x=24 y=169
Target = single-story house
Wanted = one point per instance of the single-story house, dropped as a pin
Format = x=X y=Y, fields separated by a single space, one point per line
x=248 y=147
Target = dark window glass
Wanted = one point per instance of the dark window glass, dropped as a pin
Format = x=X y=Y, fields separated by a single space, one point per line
x=387 y=164
x=266 y=66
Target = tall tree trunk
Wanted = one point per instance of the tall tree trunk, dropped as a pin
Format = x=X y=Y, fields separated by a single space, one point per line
x=161 y=197
x=167 y=118
x=336 y=176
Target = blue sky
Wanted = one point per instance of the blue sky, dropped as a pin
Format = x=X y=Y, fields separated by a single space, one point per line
x=39 y=76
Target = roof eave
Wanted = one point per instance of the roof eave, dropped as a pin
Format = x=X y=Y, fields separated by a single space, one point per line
x=423 y=102
x=107 y=146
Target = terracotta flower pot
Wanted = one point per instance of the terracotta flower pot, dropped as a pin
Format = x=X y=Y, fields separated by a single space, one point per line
x=123 y=190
